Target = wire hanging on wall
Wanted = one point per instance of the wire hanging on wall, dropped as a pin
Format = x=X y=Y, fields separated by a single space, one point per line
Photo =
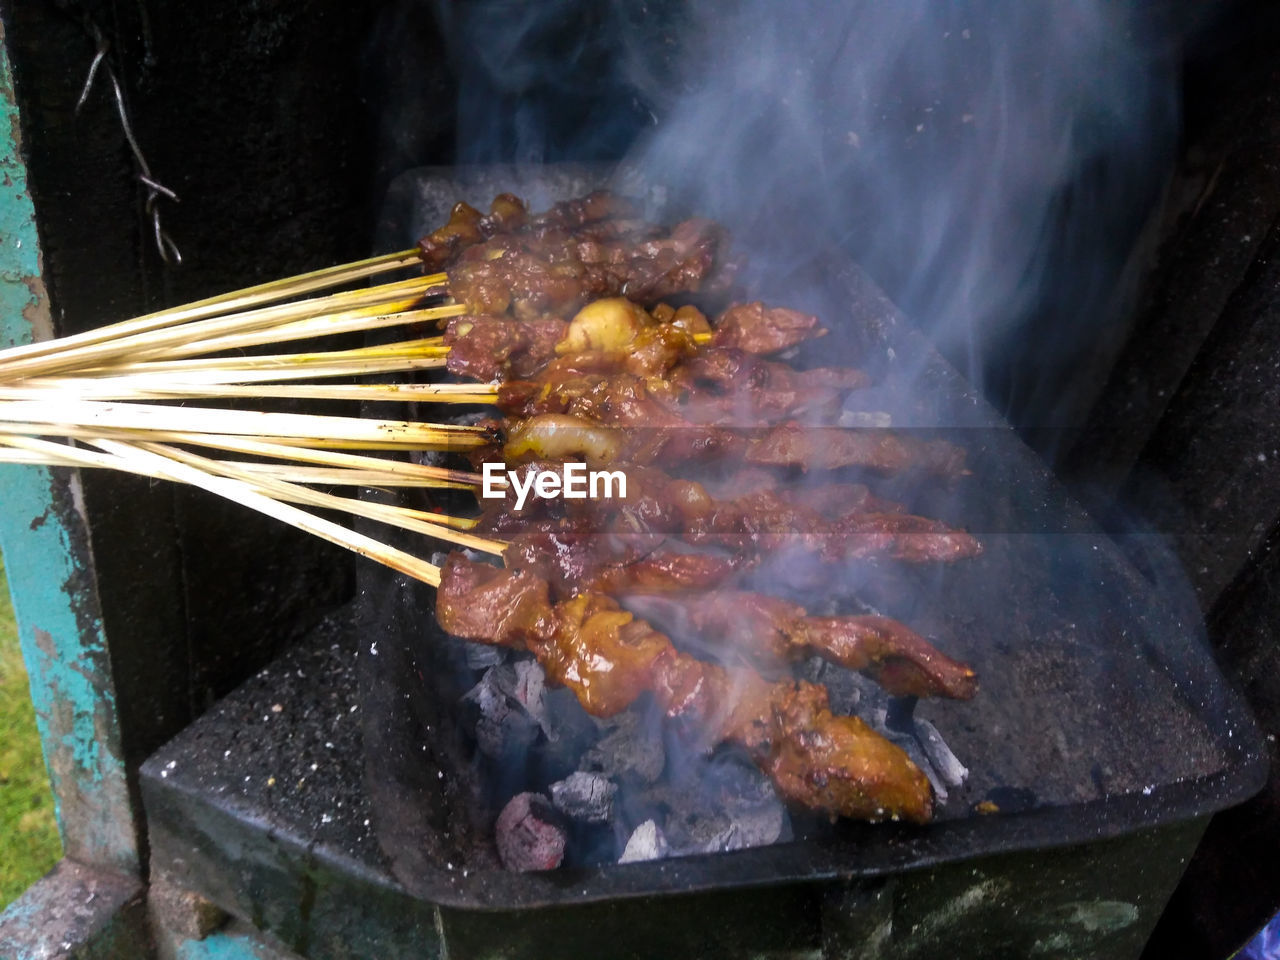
x=165 y=245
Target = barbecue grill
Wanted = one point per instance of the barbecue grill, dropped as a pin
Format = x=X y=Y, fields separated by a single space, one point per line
x=285 y=776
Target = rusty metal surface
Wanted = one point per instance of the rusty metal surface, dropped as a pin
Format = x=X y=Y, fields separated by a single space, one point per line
x=77 y=912
x=42 y=533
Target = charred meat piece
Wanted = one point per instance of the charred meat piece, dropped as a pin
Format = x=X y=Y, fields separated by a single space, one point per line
x=575 y=561
x=766 y=520
x=736 y=371
x=901 y=536
x=508 y=214
x=608 y=658
x=625 y=423
x=632 y=398
x=756 y=328
x=613 y=334
x=467 y=226
x=575 y=214
x=536 y=274
x=769 y=632
x=498 y=348
x=829 y=448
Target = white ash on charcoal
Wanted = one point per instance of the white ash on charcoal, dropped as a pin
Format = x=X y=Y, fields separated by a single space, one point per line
x=585 y=797
x=529 y=835
x=901 y=731
x=947 y=765
x=647 y=842
x=865 y=418
x=632 y=787
x=720 y=803
x=630 y=747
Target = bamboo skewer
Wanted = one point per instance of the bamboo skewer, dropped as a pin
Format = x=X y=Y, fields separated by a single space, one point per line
x=416 y=520
x=28 y=450
x=104 y=388
x=393 y=314
x=244 y=493
x=234 y=301
x=412 y=473
x=388 y=298
x=127 y=389
x=57 y=417
x=335 y=471
x=425 y=347
x=270 y=496
x=353 y=367
x=425 y=354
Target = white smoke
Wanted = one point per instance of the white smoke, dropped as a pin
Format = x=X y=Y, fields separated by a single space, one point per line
x=989 y=162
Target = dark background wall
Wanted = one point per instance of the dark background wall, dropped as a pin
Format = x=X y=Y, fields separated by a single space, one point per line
x=279 y=126
x=258 y=116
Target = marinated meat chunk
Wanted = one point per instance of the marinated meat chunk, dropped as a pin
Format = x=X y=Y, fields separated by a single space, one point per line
x=756 y=328
x=768 y=632
x=608 y=659
x=497 y=348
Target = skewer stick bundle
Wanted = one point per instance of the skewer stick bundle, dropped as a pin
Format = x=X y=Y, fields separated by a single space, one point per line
x=99 y=400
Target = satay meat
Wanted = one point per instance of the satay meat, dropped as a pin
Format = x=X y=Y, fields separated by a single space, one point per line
x=466 y=226
x=499 y=348
x=765 y=520
x=830 y=448
x=557 y=273
x=576 y=561
x=658 y=436
x=757 y=328
x=770 y=632
x=608 y=658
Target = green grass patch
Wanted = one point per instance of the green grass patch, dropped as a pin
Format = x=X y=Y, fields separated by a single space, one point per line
x=29 y=843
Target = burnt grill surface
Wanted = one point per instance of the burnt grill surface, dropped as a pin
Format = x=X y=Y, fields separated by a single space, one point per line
x=1100 y=710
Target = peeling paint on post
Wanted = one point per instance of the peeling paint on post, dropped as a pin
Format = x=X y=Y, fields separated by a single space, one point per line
x=49 y=567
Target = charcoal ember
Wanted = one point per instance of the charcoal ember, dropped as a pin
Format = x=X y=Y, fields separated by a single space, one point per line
x=758 y=815
x=703 y=830
x=526 y=683
x=726 y=804
x=528 y=834
x=519 y=721
x=905 y=738
x=586 y=797
x=631 y=746
x=647 y=842
x=948 y=766
x=849 y=692
x=504 y=728
x=569 y=730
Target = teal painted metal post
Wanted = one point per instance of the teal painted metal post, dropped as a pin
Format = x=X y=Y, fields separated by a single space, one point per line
x=50 y=570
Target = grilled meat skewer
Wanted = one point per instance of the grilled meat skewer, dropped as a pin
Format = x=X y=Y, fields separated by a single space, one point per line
x=650 y=433
x=856 y=524
x=608 y=658
x=688 y=591
x=492 y=348
x=769 y=632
